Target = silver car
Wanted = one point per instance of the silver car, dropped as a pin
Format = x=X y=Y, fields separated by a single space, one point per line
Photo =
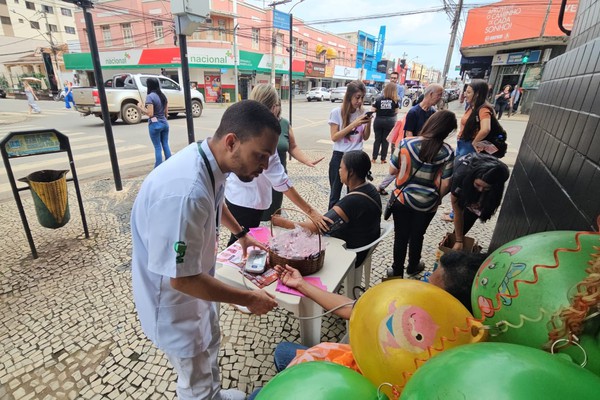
x=318 y=93
x=338 y=94
x=371 y=95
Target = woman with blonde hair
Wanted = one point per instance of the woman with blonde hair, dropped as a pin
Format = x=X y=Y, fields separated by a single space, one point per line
x=267 y=95
x=31 y=98
x=248 y=201
x=349 y=127
x=386 y=108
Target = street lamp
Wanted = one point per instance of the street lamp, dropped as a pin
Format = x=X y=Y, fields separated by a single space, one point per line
x=52 y=46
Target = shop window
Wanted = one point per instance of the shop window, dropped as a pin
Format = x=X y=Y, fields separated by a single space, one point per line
x=70 y=30
x=52 y=28
x=48 y=9
x=29 y=5
x=5 y=20
x=66 y=12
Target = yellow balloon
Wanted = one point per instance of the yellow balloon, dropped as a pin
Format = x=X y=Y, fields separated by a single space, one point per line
x=399 y=324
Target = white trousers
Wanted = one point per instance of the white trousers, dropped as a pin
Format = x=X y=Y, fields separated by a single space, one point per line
x=198 y=378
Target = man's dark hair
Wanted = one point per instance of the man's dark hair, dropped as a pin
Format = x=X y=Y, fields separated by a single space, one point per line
x=460 y=269
x=395 y=73
x=247 y=119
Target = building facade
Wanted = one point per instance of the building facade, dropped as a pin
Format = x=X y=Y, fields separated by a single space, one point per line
x=34 y=34
x=139 y=36
x=510 y=42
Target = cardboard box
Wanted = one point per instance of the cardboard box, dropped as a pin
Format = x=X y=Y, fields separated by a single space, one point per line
x=470 y=245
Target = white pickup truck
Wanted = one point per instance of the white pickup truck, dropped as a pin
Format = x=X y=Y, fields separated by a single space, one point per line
x=125 y=91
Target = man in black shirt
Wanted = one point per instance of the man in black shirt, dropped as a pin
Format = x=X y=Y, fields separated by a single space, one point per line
x=419 y=114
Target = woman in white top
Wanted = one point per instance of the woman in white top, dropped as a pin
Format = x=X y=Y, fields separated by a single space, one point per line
x=349 y=128
x=248 y=200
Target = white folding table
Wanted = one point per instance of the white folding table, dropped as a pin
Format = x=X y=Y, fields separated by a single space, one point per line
x=336 y=265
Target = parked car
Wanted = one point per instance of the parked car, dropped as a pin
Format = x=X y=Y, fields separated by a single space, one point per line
x=318 y=93
x=125 y=91
x=338 y=94
x=371 y=95
x=2 y=94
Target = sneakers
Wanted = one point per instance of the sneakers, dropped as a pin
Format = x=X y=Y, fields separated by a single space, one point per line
x=391 y=274
x=417 y=271
x=232 y=394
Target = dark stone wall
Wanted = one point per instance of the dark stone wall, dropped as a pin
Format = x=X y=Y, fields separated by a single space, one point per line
x=555 y=184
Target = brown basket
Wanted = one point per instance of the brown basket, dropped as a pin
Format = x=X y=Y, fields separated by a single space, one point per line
x=306 y=266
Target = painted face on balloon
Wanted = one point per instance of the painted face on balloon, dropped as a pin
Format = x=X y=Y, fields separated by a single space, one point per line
x=407 y=327
x=495 y=293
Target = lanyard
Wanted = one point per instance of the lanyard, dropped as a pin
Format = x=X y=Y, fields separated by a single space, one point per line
x=212 y=180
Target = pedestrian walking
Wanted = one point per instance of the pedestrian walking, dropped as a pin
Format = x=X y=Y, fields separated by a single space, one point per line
x=174 y=227
x=156 y=108
x=68 y=88
x=31 y=98
x=386 y=109
x=349 y=127
x=502 y=101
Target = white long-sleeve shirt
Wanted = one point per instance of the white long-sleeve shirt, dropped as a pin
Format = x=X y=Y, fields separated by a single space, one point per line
x=257 y=193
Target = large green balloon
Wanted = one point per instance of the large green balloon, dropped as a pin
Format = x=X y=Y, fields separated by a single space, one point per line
x=500 y=371
x=524 y=282
x=319 y=380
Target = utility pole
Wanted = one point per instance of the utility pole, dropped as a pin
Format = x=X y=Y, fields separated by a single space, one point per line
x=53 y=48
x=455 y=22
x=86 y=5
x=235 y=52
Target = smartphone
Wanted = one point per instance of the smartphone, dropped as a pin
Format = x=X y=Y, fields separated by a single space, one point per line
x=369 y=113
x=256 y=262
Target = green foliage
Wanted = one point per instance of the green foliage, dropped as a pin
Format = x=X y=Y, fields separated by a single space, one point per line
x=3 y=82
x=35 y=85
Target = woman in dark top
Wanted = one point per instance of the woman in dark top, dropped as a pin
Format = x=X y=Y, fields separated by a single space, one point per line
x=477 y=188
x=356 y=217
x=156 y=108
x=386 y=108
x=502 y=100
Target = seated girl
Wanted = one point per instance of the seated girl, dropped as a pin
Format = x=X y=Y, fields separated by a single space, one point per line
x=356 y=217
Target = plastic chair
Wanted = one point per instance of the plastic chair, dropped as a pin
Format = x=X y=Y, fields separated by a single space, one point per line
x=355 y=274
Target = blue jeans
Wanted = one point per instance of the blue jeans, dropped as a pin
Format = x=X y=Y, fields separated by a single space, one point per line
x=159 y=134
x=285 y=352
x=464 y=147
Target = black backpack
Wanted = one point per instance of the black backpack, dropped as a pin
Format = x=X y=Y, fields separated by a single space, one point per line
x=497 y=135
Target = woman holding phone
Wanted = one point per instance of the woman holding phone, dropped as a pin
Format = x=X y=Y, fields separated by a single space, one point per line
x=349 y=127
x=156 y=108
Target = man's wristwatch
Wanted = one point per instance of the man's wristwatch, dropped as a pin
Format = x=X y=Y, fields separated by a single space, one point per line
x=242 y=233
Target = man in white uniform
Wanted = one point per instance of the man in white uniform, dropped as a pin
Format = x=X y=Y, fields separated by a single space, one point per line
x=174 y=227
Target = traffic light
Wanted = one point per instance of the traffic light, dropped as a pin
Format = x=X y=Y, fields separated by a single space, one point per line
x=402 y=63
x=525 y=58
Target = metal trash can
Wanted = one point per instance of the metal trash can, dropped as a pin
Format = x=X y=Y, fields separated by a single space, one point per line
x=49 y=191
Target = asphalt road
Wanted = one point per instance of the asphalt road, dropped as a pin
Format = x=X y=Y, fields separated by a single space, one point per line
x=134 y=149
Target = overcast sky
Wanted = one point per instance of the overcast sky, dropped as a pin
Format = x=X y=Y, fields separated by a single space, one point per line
x=424 y=35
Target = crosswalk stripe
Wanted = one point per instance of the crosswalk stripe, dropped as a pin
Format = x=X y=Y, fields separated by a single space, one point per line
x=99 y=167
x=32 y=166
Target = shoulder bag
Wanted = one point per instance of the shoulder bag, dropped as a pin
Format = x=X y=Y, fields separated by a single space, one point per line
x=393 y=199
x=497 y=135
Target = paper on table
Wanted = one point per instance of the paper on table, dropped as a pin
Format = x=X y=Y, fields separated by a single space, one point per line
x=313 y=280
x=232 y=257
x=262 y=234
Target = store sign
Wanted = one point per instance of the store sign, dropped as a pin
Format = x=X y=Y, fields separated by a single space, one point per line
x=349 y=73
x=516 y=58
x=119 y=58
x=281 y=63
x=511 y=20
x=198 y=56
x=314 y=69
